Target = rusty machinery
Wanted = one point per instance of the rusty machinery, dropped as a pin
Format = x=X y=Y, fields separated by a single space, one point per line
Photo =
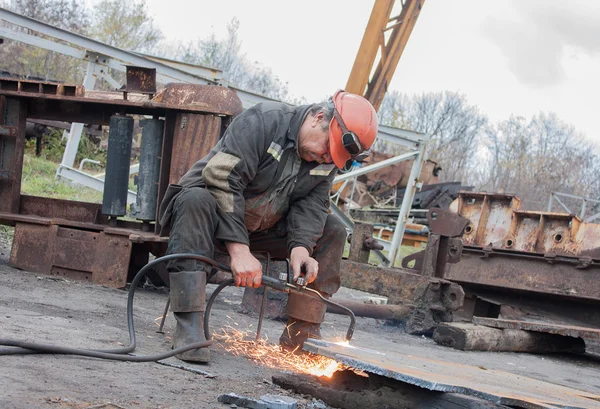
x=418 y=297
x=92 y=241
x=525 y=269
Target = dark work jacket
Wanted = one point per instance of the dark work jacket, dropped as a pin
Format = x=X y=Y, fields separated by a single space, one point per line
x=257 y=178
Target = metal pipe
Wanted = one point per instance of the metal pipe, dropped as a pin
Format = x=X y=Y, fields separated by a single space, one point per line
x=409 y=195
x=376 y=166
x=118 y=157
x=263 y=303
x=149 y=169
x=164 y=317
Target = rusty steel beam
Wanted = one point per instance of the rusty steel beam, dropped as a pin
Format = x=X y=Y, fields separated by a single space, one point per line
x=539 y=275
x=40 y=87
x=396 y=284
x=377 y=311
x=72 y=210
x=206 y=99
x=392 y=50
x=12 y=149
x=430 y=300
x=509 y=249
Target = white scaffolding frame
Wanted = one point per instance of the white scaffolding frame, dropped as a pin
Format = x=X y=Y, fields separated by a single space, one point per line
x=555 y=196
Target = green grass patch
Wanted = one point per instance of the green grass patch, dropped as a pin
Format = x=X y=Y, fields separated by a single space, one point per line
x=53 y=148
x=39 y=179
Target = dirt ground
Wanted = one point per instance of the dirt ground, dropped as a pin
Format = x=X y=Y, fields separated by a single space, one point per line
x=52 y=310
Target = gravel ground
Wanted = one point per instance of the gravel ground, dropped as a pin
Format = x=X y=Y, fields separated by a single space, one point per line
x=54 y=310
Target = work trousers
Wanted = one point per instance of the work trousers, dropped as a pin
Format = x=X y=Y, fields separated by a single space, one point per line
x=194 y=222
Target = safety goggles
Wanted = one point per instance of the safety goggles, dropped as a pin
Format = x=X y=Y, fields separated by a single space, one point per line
x=349 y=139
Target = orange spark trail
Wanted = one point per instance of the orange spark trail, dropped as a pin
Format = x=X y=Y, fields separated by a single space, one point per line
x=242 y=343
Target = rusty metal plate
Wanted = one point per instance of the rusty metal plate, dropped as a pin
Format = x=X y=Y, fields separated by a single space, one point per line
x=11 y=155
x=196 y=97
x=85 y=255
x=566 y=330
x=194 y=136
x=398 y=285
x=496 y=221
x=140 y=79
x=446 y=223
x=493 y=385
x=61 y=209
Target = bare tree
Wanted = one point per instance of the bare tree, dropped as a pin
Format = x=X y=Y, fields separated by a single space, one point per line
x=27 y=61
x=227 y=56
x=453 y=125
x=125 y=24
x=536 y=157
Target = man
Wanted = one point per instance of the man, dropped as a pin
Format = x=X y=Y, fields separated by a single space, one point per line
x=265 y=187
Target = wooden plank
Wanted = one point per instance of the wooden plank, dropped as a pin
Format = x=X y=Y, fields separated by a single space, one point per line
x=470 y=337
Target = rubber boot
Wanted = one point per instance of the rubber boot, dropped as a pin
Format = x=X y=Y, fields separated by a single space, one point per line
x=188 y=303
x=305 y=316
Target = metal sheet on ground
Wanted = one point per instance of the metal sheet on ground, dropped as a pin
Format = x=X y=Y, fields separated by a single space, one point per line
x=495 y=386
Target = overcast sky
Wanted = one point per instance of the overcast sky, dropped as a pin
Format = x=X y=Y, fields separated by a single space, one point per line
x=508 y=57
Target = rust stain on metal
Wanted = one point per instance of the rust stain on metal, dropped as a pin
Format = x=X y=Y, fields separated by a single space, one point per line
x=194 y=137
x=493 y=385
x=399 y=286
x=566 y=330
x=84 y=255
x=188 y=96
x=496 y=221
x=538 y=275
x=60 y=209
x=141 y=79
x=8 y=131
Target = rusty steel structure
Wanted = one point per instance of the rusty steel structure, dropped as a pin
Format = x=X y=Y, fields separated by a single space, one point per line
x=536 y=269
x=418 y=299
x=419 y=296
x=75 y=239
x=386 y=35
x=539 y=252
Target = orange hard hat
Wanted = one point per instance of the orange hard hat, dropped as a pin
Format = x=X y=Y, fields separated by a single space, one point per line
x=353 y=127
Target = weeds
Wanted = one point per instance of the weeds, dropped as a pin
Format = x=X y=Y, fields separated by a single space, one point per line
x=39 y=179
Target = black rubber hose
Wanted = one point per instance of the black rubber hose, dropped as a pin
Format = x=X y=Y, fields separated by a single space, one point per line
x=119 y=353
x=209 y=303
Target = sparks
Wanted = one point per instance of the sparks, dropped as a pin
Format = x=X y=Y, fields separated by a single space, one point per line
x=242 y=343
